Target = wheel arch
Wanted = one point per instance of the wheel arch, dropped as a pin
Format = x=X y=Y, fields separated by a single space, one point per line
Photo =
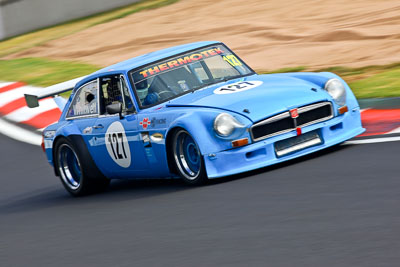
x=54 y=151
x=168 y=146
x=199 y=126
x=81 y=149
x=201 y=176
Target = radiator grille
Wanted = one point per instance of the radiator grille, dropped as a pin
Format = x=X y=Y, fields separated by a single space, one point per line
x=283 y=122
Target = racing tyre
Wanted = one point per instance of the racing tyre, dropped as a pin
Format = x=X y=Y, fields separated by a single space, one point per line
x=73 y=170
x=188 y=159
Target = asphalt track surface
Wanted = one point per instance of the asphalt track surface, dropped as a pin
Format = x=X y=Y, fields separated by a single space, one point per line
x=339 y=207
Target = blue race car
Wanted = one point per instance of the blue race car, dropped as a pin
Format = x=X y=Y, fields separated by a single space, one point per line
x=194 y=111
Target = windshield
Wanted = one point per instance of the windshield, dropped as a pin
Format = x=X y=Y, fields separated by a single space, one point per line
x=187 y=72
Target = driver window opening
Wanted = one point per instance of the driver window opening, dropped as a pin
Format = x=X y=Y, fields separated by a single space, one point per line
x=113 y=90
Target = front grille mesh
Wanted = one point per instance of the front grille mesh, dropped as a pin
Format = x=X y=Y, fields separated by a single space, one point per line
x=273 y=127
x=314 y=115
x=283 y=122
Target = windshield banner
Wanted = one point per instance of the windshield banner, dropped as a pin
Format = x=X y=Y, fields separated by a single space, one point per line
x=181 y=61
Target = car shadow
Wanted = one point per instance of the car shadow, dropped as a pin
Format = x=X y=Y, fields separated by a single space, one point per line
x=291 y=162
x=122 y=190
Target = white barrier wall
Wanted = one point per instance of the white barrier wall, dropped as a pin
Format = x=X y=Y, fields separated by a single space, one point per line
x=21 y=16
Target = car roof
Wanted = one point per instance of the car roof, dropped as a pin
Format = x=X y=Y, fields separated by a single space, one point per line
x=145 y=59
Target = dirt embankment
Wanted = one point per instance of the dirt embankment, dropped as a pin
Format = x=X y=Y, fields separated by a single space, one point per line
x=267 y=34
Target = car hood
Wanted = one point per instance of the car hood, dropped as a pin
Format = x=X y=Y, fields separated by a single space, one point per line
x=275 y=93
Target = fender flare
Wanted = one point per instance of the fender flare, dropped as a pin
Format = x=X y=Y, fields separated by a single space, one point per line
x=79 y=145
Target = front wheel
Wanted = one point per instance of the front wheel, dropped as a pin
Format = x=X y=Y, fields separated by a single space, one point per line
x=73 y=171
x=188 y=160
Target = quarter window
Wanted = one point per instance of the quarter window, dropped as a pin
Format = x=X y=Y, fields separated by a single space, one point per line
x=85 y=102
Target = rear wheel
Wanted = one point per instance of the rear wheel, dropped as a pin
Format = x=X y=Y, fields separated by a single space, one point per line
x=188 y=159
x=73 y=174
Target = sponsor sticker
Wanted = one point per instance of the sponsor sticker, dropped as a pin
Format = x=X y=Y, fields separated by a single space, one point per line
x=237 y=87
x=156 y=121
x=88 y=130
x=48 y=143
x=145 y=123
x=184 y=60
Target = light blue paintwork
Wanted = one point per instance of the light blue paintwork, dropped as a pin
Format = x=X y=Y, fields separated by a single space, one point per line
x=196 y=112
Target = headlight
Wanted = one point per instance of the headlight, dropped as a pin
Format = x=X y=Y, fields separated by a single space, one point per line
x=337 y=90
x=225 y=124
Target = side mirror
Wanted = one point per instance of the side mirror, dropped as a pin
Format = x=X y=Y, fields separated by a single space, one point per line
x=115 y=109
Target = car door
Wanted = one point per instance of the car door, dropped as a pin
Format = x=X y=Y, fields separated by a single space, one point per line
x=118 y=151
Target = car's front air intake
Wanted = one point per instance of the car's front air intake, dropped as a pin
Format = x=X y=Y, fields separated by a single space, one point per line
x=286 y=122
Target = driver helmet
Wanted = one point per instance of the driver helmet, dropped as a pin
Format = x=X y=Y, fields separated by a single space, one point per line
x=142 y=89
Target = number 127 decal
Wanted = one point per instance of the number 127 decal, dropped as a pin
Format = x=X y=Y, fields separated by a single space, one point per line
x=237 y=87
x=117 y=144
x=233 y=60
x=116 y=141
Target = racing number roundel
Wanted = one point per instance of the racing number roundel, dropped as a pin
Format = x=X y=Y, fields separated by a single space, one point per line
x=117 y=144
x=237 y=87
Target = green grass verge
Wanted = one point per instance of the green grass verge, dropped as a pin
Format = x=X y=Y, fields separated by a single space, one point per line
x=283 y=70
x=29 y=40
x=42 y=72
x=366 y=82
x=384 y=84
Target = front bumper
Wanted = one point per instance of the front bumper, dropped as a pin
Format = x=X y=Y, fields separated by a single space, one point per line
x=261 y=154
